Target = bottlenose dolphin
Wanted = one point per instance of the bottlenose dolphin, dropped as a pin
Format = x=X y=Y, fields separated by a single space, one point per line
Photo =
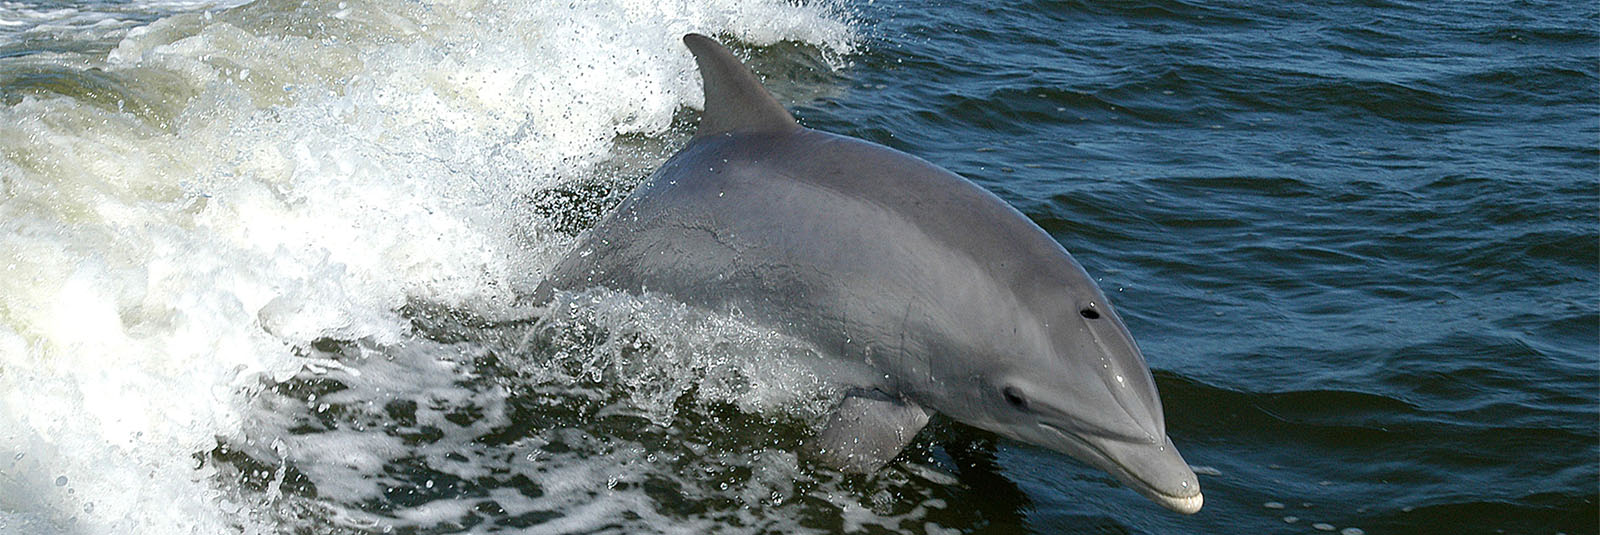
x=924 y=292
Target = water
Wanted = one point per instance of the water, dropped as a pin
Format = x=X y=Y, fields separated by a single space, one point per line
x=262 y=263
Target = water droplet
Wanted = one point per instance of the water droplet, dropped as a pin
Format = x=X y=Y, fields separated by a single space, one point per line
x=1352 y=531
x=1291 y=519
x=1273 y=505
x=429 y=484
x=1322 y=526
x=61 y=481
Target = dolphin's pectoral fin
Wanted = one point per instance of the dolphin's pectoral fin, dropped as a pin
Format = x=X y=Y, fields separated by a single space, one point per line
x=866 y=431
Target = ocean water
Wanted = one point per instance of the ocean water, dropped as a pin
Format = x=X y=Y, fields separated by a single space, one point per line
x=262 y=265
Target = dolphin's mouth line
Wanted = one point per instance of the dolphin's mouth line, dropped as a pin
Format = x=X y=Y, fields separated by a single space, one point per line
x=1183 y=504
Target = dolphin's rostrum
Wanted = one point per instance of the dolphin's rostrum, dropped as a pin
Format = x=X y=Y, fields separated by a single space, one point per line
x=927 y=293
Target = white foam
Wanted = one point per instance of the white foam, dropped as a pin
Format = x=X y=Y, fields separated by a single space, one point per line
x=87 y=22
x=658 y=351
x=602 y=466
x=265 y=189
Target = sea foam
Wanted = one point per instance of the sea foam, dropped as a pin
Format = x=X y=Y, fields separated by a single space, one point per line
x=249 y=182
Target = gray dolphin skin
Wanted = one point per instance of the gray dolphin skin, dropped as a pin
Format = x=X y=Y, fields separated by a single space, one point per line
x=922 y=292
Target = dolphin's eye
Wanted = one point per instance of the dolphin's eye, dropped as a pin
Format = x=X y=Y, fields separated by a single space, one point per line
x=1090 y=313
x=1014 y=397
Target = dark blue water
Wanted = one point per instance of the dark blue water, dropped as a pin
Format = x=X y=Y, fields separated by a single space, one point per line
x=1356 y=240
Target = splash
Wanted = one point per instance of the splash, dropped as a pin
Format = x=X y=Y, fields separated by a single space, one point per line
x=621 y=412
x=187 y=218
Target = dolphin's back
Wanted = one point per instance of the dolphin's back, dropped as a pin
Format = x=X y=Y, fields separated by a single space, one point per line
x=811 y=232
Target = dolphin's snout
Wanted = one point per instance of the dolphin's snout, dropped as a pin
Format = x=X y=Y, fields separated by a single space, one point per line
x=1155 y=470
x=1188 y=506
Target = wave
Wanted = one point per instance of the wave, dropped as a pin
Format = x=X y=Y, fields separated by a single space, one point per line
x=191 y=211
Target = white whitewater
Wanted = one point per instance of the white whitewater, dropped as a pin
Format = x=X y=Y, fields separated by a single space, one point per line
x=238 y=183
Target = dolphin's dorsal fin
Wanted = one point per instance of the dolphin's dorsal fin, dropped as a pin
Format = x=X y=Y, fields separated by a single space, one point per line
x=735 y=99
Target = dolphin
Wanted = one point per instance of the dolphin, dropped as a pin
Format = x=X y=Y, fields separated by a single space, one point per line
x=923 y=292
